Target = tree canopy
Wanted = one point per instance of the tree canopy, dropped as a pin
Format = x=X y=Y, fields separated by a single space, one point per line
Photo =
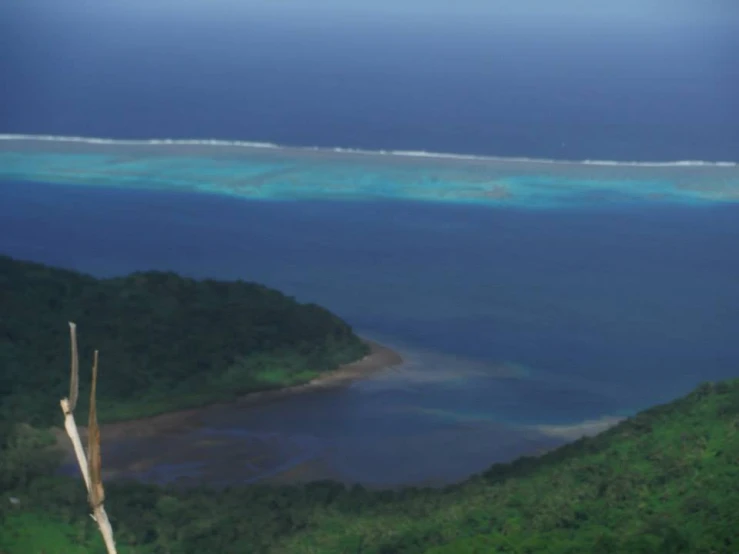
x=165 y=341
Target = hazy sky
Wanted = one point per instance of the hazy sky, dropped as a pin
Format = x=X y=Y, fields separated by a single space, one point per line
x=551 y=12
x=615 y=12
x=338 y=69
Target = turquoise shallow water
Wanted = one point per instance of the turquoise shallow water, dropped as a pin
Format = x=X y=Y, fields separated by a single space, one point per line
x=263 y=171
x=574 y=294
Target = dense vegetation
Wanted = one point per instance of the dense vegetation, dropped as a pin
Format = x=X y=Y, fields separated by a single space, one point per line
x=664 y=481
x=166 y=341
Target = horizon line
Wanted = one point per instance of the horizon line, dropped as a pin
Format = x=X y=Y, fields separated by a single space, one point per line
x=359 y=151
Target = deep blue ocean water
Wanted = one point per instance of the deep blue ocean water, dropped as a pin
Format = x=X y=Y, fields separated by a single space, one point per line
x=565 y=80
x=628 y=297
x=508 y=317
x=608 y=310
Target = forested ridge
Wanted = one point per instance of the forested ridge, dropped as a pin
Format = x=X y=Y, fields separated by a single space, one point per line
x=664 y=481
x=165 y=341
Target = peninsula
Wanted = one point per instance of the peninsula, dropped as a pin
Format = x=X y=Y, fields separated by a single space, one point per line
x=168 y=343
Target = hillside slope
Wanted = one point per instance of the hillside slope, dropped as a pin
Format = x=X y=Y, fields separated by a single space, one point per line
x=664 y=481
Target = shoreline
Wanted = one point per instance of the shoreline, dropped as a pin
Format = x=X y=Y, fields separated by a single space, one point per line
x=575 y=431
x=379 y=358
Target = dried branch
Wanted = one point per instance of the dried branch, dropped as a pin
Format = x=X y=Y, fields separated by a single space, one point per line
x=91 y=470
x=97 y=495
x=68 y=406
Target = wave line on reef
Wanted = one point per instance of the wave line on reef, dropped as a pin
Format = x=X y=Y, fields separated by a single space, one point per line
x=341 y=150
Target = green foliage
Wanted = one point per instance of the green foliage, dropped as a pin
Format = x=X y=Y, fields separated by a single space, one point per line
x=25 y=454
x=165 y=341
x=33 y=534
x=662 y=482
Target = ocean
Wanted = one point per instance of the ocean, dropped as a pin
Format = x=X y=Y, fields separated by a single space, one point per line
x=520 y=326
x=571 y=262
x=646 y=80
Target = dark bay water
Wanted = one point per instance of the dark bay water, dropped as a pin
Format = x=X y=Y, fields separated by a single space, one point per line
x=508 y=319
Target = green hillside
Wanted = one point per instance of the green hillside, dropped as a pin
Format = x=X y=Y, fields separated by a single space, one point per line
x=664 y=481
x=165 y=341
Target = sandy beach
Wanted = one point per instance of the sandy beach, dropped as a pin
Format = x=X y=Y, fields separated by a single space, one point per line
x=379 y=358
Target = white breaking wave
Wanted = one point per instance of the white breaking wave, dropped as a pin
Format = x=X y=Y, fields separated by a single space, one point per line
x=340 y=150
x=98 y=140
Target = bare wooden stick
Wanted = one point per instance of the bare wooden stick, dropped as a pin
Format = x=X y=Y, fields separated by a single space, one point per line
x=68 y=406
x=90 y=469
x=101 y=517
x=97 y=494
x=71 y=427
